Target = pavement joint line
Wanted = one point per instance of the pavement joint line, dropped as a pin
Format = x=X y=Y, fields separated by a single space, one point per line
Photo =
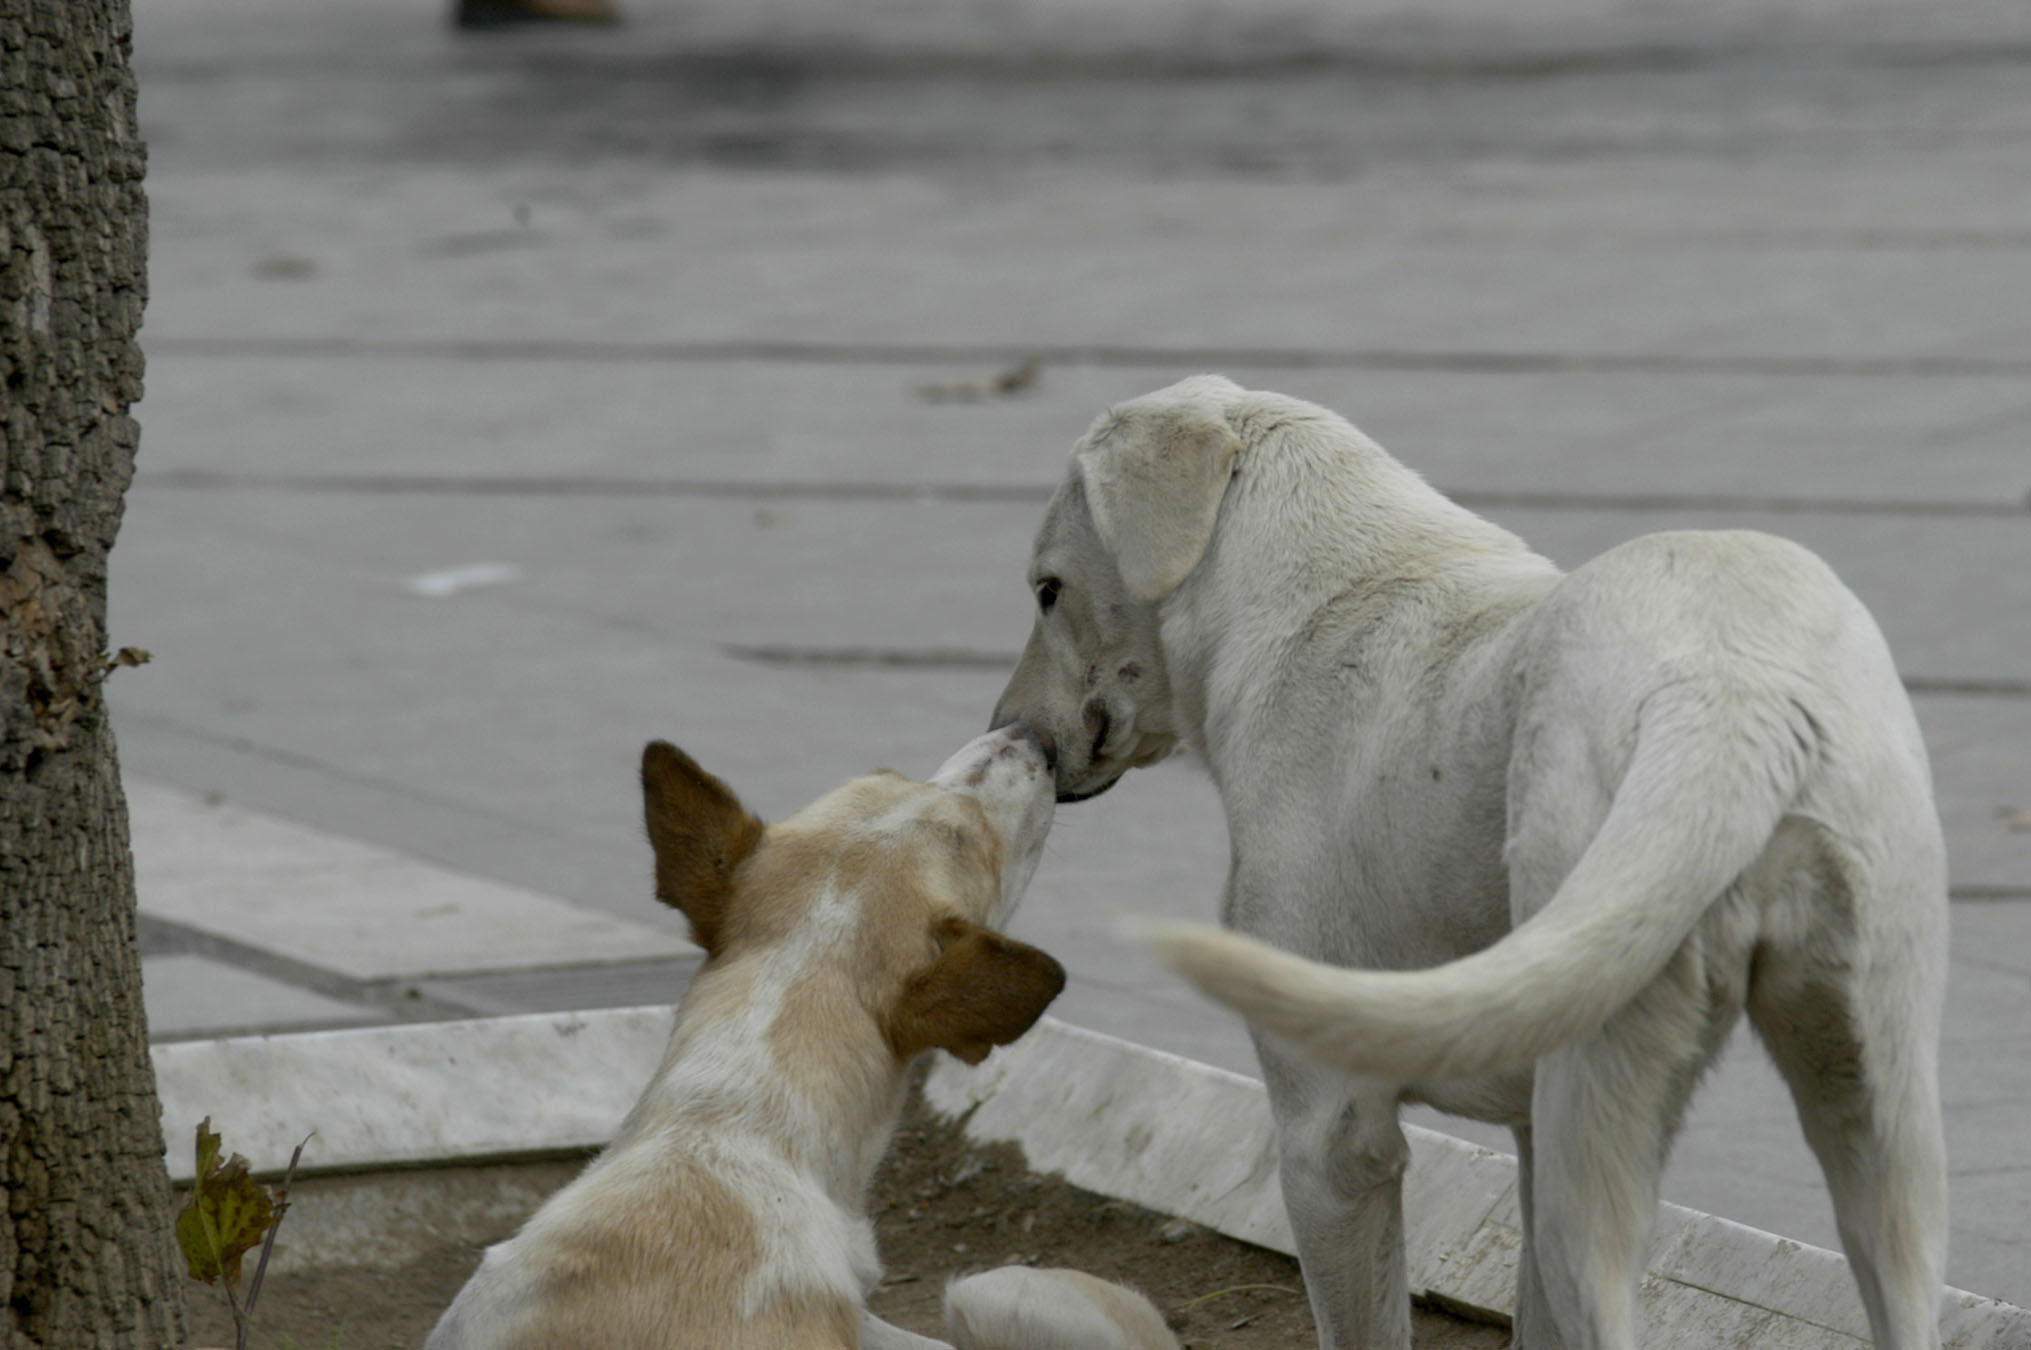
x=961 y=658
x=1952 y=688
x=582 y=485
x=1483 y=362
x=409 y=999
x=189 y=994
x=1483 y=499
x=906 y=658
x=574 y=485
x=1982 y=895
x=424 y=997
x=296 y=759
x=385 y=919
x=785 y=56
x=1886 y=239
x=164 y=937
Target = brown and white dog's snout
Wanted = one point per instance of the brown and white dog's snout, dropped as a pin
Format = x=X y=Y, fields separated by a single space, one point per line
x=1008 y=772
x=1045 y=742
x=971 y=763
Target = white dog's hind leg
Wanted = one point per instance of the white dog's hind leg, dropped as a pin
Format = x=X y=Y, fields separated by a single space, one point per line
x=1343 y=1156
x=1869 y=1102
x=1534 y=1328
x=1603 y=1114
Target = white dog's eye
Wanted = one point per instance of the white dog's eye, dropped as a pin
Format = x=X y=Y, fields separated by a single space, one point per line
x=1047 y=593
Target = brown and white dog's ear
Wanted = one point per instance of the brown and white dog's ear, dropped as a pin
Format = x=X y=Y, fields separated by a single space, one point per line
x=1154 y=478
x=983 y=990
x=700 y=832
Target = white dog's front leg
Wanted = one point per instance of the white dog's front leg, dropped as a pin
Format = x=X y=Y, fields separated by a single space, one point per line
x=1343 y=1159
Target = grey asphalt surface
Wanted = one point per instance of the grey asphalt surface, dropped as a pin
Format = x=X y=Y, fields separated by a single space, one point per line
x=680 y=320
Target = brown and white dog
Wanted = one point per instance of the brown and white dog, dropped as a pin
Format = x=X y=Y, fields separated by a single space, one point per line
x=728 y=1213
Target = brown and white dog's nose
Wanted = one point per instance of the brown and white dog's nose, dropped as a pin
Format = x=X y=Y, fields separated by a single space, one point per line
x=1036 y=735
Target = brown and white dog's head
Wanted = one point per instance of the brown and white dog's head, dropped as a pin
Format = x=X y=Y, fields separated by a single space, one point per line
x=876 y=903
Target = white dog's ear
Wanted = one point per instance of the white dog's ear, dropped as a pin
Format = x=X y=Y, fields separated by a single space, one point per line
x=1154 y=479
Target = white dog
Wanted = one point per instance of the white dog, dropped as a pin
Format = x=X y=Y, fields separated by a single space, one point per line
x=729 y=1211
x=1613 y=808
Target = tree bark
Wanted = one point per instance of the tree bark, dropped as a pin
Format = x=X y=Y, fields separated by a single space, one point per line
x=85 y=1254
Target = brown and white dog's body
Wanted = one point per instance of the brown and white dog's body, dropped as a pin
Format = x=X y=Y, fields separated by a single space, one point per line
x=727 y=1214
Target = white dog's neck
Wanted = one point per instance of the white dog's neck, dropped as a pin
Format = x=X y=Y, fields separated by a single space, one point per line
x=736 y=1068
x=1319 y=531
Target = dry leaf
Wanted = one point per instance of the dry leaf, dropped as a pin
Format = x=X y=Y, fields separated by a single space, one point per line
x=227 y=1215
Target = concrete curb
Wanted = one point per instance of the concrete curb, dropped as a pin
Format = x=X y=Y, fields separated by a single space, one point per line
x=1113 y=1117
x=429 y=1092
x=1192 y=1140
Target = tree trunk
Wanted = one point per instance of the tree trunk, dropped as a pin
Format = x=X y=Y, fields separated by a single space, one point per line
x=85 y=1255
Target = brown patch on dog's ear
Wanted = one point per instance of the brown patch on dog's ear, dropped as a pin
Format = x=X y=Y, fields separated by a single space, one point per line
x=700 y=832
x=983 y=990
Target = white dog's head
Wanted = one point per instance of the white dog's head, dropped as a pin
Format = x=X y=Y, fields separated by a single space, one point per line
x=1127 y=526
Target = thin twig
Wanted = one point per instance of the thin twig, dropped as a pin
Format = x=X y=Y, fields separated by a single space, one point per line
x=268 y=1243
x=1236 y=1289
x=241 y=1326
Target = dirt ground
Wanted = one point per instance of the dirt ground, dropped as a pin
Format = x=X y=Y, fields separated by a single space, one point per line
x=942 y=1206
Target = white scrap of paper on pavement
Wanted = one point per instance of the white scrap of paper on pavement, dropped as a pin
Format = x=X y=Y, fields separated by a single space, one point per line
x=472 y=576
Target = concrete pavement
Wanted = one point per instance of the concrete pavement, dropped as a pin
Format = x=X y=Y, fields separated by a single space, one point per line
x=651 y=316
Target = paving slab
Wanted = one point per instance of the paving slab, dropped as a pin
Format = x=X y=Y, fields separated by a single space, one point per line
x=686 y=257
x=188 y=996
x=568 y=988
x=347 y=907
x=671 y=423
x=388 y=1097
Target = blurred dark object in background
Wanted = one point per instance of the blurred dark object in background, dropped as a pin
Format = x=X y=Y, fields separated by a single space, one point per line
x=518 y=13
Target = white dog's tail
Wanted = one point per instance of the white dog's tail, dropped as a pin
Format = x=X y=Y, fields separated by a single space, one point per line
x=1020 y=1308
x=1712 y=773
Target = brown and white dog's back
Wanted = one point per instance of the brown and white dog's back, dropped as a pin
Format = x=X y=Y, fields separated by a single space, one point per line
x=728 y=1214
